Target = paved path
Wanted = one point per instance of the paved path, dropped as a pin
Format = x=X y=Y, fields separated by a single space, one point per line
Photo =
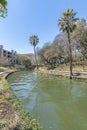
x=80 y=72
x=2 y=72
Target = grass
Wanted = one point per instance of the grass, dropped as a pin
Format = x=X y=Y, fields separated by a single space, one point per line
x=63 y=71
x=12 y=114
x=2 y=68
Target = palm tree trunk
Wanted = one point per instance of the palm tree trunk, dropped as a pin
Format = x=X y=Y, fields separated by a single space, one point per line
x=70 y=54
x=35 y=57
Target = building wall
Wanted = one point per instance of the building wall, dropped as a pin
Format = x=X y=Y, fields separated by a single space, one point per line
x=11 y=55
x=1 y=51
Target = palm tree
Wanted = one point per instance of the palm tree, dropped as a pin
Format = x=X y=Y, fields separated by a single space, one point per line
x=3 y=8
x=34 y=40
x=67 y=24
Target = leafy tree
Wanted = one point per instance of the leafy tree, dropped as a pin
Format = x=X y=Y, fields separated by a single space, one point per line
x=60 y=43
x=67 y=24
x=51 y=54
x=27 y=63
x=3 y=8
x=34 y=40
x=46 y=54
x=80 y=35
x=23 y=60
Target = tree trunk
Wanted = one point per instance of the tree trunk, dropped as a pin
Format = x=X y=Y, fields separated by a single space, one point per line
x=70 y=54
x=35 y=57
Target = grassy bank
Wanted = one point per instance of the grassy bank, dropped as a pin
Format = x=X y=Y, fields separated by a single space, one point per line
x=13 y=116
x=78 y=73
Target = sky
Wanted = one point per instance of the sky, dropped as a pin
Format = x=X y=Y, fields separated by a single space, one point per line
x=35 y=17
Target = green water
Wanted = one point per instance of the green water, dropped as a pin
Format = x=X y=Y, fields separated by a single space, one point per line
x=57 y=103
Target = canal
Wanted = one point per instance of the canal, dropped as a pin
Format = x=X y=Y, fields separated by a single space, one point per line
x=57 y=103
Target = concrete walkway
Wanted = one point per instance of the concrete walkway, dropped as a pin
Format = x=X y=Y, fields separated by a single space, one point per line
x=1 y=72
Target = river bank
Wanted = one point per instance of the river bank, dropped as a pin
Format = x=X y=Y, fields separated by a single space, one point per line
x=52 y=99
x=80 y=75
x=13 y=116
x=11 y=108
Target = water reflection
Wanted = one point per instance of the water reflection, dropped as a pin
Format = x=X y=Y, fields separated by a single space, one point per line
x=57 y=103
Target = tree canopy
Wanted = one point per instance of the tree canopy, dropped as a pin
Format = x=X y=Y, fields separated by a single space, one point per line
x=3 y=8
x=34 y=40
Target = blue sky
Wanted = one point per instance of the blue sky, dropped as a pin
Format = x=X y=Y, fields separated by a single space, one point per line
x=39 y=17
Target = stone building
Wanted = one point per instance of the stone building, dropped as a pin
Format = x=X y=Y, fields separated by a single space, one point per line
x=10 y=55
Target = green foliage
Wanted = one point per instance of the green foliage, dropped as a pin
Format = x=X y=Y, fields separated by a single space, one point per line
x=3 y=8
x=34 y=40
x=53 y=54
x=2 y=124
x=2 y=68
x=23 y=60
x=27 y=63
x=67 y=21
x=26 y=121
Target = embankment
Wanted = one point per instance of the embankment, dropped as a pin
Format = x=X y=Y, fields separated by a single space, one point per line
x=13 y=116
x=79 y=75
